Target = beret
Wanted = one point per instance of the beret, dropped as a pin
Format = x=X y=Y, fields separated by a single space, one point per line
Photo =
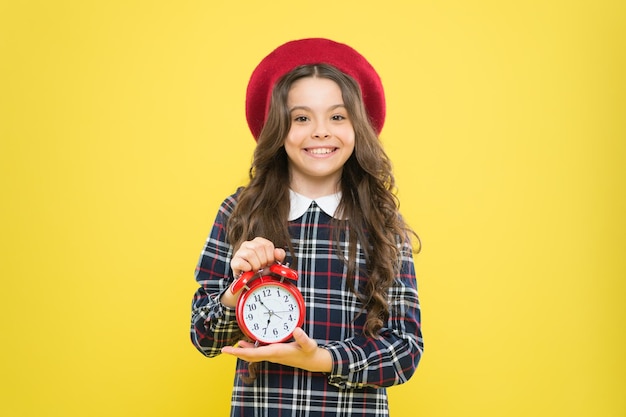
x=312 y=51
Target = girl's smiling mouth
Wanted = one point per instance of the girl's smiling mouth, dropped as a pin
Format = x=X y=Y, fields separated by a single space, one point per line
x=320 y=151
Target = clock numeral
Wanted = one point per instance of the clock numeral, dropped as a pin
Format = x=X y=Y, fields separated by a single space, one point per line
x=251 y=307
x=257 y=298
x=250 y=316
x=285 y=326
x=267 y=293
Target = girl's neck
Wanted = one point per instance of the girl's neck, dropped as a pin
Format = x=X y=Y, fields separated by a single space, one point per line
x=315 y=190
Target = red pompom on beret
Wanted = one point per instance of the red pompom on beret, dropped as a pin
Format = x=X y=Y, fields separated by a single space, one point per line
x=312 y=51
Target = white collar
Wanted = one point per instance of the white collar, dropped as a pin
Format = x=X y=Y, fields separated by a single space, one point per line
x=299 y=204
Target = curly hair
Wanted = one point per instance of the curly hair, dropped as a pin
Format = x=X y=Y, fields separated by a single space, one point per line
x=368 y=204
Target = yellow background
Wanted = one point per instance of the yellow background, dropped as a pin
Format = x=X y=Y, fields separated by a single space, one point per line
x=122 y=128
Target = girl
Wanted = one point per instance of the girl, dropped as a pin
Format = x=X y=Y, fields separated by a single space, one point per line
x=321 y=197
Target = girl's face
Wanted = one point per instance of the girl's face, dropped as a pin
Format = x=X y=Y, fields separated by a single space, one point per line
x=321 y=137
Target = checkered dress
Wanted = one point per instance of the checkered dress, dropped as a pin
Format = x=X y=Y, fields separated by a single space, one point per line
x=362 y=366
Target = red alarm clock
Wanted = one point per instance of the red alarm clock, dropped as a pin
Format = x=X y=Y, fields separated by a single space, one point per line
x=270 y=307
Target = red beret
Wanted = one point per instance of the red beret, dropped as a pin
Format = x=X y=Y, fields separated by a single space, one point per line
x=312 y=51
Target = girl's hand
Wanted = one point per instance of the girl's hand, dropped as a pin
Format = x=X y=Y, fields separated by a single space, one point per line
x=255 y=254
x=252 y=255
x=302 y=353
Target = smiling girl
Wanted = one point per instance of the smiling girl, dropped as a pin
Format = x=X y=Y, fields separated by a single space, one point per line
x=320 y=195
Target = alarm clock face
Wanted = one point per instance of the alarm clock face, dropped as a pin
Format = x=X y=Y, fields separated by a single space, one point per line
x=270 y=311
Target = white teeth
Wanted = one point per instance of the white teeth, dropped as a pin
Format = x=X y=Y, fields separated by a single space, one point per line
x=321 y=151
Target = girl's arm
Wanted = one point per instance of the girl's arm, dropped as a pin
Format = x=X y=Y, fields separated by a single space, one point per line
x=358 y=362
x=213 y=325
x=392 y=358
x=303 y=353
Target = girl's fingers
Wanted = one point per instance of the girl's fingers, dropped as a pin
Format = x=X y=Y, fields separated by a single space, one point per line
x=254 y=255
x=249 y=256
x=279 y=254
x=265 y=250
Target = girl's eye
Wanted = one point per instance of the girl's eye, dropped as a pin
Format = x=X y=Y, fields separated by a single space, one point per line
x=338 y=117
x=300 y=119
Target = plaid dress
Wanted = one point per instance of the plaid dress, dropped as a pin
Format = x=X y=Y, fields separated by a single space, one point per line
x=362 y=366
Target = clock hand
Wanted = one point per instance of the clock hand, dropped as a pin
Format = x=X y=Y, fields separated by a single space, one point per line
x=270 y=312
x=261 y=301
x=273 y=313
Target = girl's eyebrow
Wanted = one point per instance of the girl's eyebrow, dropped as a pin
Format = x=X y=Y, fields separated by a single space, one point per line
x=306 y=108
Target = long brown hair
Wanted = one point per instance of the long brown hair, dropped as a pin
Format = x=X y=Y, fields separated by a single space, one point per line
x=368 y=203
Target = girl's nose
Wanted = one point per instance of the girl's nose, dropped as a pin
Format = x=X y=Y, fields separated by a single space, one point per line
x=321 y=131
